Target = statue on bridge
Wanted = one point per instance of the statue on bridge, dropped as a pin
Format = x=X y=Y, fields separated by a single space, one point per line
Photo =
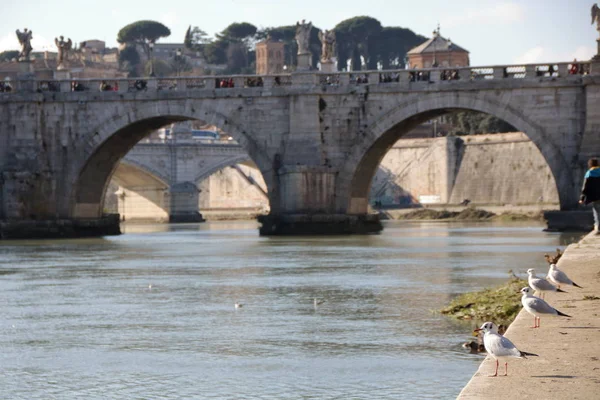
x=328 y=42
x=63 y=51
x=303 y=36
x=596 y=19
x=25 y=42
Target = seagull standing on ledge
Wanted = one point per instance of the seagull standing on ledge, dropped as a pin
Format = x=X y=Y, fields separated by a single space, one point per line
x=538 y=307
x=540 y=284
x=499 y=347
x=558 y=277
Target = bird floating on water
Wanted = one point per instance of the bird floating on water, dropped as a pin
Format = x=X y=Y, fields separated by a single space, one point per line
x=558 y=277
x=318 y=302
x=538 y=307
x=499 y=347
x=238 y=305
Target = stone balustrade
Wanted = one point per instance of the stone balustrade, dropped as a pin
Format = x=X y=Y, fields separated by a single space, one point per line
x=301 y=79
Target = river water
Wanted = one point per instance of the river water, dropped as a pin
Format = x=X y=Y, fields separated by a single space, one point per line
x=150 y=314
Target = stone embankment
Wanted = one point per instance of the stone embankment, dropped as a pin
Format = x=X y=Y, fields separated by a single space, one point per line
x=568 y=366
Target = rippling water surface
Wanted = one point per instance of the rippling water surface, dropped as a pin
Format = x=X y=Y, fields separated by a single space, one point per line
x=150 y=314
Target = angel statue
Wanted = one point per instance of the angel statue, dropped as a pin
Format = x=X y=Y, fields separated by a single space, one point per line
x=327 y=39
x=25 y=42
x=596 y=19
x=303 y=36
x=63 y=51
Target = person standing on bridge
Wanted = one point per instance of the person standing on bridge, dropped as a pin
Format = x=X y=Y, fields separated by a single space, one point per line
x=590 y=193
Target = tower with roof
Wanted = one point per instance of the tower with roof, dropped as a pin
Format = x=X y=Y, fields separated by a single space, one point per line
x=437 y=52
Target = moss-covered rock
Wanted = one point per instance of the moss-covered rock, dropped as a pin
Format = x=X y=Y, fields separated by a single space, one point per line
x=500 y=304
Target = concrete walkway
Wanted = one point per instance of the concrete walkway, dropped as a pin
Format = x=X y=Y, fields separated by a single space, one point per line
x=568 y=366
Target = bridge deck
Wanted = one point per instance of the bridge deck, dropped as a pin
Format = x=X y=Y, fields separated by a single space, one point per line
x=417 y=79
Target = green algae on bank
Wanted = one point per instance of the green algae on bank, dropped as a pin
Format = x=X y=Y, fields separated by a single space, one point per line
x=499 y=304
x=468 y=214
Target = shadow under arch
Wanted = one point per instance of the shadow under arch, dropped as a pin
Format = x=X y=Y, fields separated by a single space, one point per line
x=145 y=183
x=117 y=135
x=219 y=166
x=393 y=123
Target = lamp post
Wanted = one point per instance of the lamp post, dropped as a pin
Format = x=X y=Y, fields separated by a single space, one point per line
x=434 y=64
x=151 y=46
x=178 y=61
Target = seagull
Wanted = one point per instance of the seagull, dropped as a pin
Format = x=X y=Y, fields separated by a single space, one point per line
x=499 y=347
x=540 y=284
x=238 y=305
x=537 y=307
x=558 y=277
x=318 y=302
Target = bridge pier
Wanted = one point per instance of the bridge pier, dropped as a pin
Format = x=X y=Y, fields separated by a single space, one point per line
x=318 y=224
x=307 y=206
x=184 y=203
x=106 y=225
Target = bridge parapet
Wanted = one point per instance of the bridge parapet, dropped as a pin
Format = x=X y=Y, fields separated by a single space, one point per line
x=303 y=79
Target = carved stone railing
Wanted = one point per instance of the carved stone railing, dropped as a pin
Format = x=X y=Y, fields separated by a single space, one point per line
x=303 y=79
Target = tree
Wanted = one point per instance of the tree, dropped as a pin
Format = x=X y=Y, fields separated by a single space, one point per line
x=143 y=33
x=233 y=47
x=129 y=60
x=161 y=68
x=391 y=45
x=196 y=38
x=353 y=37
x=473 y=123
x=9 y=55
x=216 y=52
x=237 y=57
x=239 y=31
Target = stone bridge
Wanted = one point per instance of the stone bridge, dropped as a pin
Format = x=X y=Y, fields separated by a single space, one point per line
x=317 y=138
x=161 y=178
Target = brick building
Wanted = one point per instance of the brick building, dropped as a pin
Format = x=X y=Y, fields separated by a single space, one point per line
x=438 y=52
x=269 y=57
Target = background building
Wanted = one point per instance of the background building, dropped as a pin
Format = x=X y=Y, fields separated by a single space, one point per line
x=437 y=52
x=269 y=57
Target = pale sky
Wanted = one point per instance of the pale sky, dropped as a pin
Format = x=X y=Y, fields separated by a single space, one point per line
x=495 y=32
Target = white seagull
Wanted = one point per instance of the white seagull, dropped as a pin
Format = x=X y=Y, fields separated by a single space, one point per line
x=238 y=305
x=540 y=284
x=538 y=307
x=558 y=277
x=499 y=347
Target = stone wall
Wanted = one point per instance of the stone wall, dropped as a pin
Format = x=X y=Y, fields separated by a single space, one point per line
x=486 y=169
x=235 y=187
x=500 y=169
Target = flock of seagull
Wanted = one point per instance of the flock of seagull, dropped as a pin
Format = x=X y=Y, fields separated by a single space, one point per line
x=499 y=347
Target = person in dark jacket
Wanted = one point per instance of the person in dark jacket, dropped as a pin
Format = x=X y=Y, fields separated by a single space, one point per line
x=590 y=193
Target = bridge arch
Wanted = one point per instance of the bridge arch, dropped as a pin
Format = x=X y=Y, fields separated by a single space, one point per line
x=219 y=166
x=119 y=130
x=146 y=170
x=391 y=124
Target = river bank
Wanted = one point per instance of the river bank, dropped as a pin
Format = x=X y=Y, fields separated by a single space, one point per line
x=568 y=348
x=461 y=213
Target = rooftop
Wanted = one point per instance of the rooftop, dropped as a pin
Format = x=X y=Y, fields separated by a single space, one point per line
x=437 y=43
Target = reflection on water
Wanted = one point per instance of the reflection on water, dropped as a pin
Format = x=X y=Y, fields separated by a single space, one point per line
x=150 y=314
